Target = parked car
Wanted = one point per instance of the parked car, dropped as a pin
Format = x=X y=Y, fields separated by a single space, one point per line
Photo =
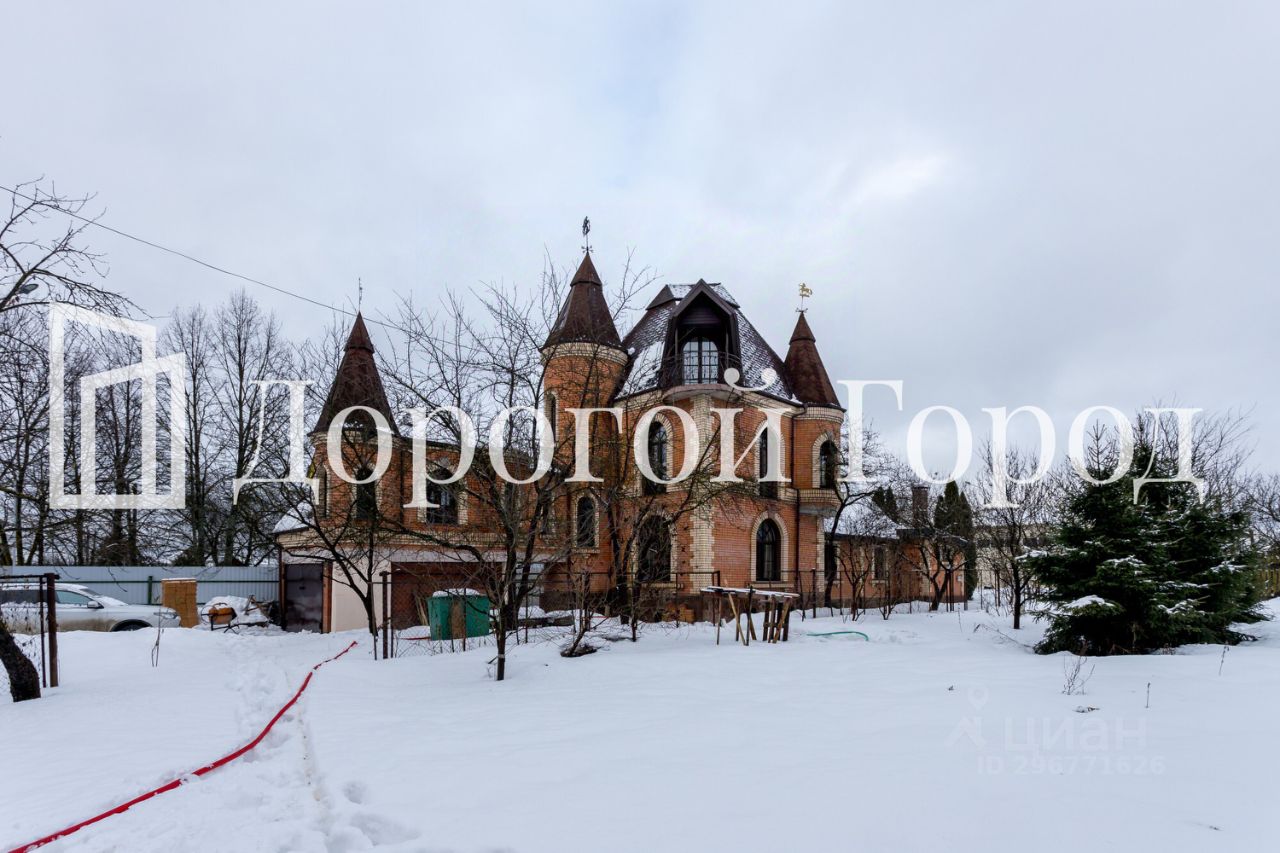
x=79 y=608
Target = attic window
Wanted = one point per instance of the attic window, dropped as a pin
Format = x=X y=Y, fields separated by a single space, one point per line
x=701 y=358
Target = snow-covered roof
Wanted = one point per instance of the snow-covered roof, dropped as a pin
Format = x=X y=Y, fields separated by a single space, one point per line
x=294 y=519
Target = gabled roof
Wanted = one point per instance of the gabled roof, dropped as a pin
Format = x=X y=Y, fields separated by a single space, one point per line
x=809 y=379
x=357 y=382
x=646 y=343
x=585 y=316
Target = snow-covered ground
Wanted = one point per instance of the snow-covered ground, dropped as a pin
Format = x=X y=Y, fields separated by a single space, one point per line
x=943 y=731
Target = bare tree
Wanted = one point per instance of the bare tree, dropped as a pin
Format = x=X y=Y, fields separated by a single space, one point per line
x=42 y=245
x=484 y=364
x=249 y=349
x=1007 y=533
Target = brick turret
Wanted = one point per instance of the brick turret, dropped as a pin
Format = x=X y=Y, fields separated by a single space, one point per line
x=583 y=353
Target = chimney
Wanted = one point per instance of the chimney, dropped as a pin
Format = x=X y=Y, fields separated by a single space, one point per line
x=920 y=505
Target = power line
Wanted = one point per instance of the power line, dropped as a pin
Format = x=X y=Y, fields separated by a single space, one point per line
x=195 y=260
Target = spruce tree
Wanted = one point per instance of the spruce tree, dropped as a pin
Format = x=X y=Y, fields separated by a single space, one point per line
x=885 y=501
x=1129 y=577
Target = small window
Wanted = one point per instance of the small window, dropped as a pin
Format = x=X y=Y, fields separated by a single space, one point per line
x=322 y=489
x=828 y=465
x=880 y=564
x=768 y=489
x=768 y=552
x=66 y=596
x=553 y=415
x=445 y=510
x=366 y=503
x=586 y=528
x=701 y=361
x=359 y=425
x=658 y=446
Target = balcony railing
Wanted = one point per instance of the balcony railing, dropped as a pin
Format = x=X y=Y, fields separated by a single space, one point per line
x=694 y=369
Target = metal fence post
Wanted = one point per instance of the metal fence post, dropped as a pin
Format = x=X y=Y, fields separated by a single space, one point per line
x=51 y=605
x=386 y=614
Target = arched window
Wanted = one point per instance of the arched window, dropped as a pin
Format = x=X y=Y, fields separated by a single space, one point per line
x=445 y=510
x=653 y=563
x=553 y=415
x=768 y=552
x=586 y=528
x=701 y=361
x=828 y=465
x=358 y=426
x=366 y=503
x=767 y=489
x=657 y=458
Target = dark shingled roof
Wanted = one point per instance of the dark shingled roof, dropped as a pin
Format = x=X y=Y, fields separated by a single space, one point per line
x=646 y=342
x=804 y=367
x=585 y=316
x=357 y=382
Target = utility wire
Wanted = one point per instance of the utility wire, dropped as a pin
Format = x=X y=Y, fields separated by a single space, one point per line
x=205 y=264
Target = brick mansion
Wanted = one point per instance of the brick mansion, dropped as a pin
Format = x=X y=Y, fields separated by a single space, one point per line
x=693 y=350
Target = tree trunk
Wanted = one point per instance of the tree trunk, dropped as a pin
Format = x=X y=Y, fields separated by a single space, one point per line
x=500 y=636
x=1017 y=603
x=24 y=681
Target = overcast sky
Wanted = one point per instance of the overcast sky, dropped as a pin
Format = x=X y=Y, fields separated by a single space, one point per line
x=1000 y=204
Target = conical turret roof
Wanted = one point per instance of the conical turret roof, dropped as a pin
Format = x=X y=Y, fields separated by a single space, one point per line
x=357 y=382
x=808 y=375
x=585 y=317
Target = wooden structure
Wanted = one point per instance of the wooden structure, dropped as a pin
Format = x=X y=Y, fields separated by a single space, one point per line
x=775 y=605
x=180 y=594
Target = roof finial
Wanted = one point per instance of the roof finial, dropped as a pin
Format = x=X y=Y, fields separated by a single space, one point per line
x=805 y=292
x=359 y=294
x=586 y=229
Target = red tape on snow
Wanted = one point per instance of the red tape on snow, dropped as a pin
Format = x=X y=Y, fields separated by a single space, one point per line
x=208 y=768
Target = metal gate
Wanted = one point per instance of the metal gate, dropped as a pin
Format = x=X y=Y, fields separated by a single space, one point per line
x=28 y=606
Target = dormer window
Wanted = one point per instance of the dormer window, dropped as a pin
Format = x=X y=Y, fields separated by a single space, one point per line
x=701 y=360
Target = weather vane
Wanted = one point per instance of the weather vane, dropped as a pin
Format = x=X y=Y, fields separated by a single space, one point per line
x=359 y=294
x=586 y=229
x=805 y=292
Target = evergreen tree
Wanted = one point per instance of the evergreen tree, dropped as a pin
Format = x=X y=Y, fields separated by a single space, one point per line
x=884 y=500
x=1135 y=577
x=954 y=515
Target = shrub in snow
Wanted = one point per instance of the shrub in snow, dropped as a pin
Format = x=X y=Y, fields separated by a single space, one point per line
x=1128 y=577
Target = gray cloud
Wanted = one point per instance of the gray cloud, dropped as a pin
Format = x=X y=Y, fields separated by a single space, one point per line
x=999 y=204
